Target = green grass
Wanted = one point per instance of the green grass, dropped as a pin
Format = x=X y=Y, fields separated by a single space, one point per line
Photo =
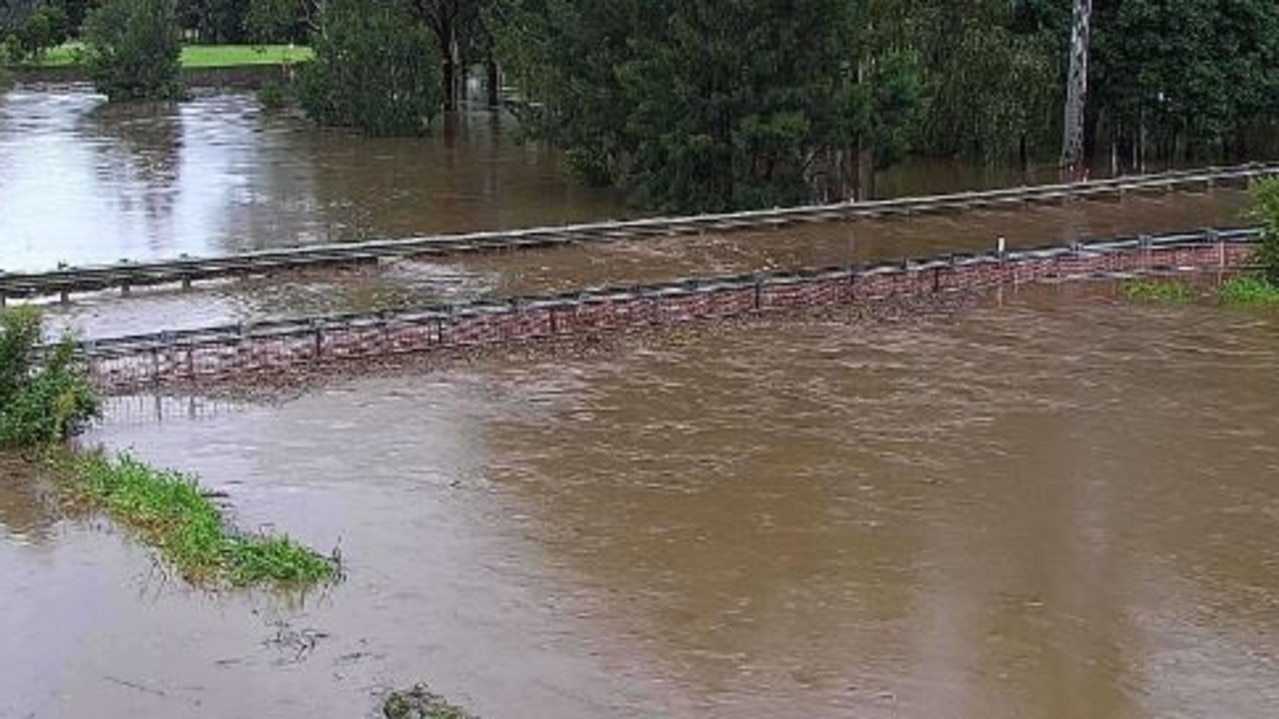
x=1248 y=290
x=171 y=512
x=198 y=56
x=1163 y=292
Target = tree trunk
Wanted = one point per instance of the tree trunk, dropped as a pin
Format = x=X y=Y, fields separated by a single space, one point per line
x=1072 y=148
x=494 y=82
x=452 y=67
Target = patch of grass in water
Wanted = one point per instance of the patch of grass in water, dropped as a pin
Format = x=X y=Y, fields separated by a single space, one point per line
x=1248 y=290
x=171 y=512
x=420 y=703
x=1163 y=292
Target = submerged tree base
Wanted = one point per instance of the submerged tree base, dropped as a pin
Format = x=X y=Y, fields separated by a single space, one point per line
x=171 y=512
x=420 y=703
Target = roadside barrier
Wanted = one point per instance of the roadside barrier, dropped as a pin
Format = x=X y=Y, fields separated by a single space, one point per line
x=233 y=351
x=185 y=271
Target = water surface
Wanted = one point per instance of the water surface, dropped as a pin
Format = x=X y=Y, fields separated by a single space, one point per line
x=1055 y=505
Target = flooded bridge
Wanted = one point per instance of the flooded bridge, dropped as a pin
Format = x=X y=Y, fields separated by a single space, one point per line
x=232 y=351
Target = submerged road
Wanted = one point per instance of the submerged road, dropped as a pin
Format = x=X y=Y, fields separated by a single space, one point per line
x=127 y=275
x=414 y=283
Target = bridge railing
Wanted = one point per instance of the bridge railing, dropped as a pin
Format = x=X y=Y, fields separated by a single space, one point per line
x=222 y=352
x=186 y=270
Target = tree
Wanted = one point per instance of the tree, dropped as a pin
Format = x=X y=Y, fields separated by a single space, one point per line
x=1183 y=77
x=374 y=70
x=43 y=30
x=216 y=21
x=701 y=105
x=1072 y=146
x=132 y=50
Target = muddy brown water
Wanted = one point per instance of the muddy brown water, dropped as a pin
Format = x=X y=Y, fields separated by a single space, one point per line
x=1057 y=504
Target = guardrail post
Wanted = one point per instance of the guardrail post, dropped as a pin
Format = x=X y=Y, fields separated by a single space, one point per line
x=318 y=332
x=759 y=294
x=1215 y=237
x=1146 y=250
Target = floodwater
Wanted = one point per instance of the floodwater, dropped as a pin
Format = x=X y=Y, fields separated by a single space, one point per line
x=1053 y=505
x=81 y=182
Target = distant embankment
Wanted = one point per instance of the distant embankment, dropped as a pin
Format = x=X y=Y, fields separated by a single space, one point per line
x=236 y=352
x=243 y=77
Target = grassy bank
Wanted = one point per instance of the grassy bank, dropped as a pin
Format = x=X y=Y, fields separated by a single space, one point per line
x=171 y=512
x=1242 y=290
x=196 y=57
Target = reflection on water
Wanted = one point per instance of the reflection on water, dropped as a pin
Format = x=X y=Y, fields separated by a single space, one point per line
x=26 y=514
x=1059 y=507
x=82 y=182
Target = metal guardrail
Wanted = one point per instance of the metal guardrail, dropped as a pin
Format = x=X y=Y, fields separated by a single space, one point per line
x=185 y=270
x=439 y=317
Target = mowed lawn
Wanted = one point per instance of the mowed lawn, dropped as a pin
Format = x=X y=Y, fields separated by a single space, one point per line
x=198 y=56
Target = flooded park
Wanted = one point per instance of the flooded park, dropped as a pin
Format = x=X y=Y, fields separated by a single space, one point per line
x=1050 y=502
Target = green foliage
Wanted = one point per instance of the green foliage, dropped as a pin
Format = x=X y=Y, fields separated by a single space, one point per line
x=1249 y=290
x=171 y=512
x=44 y=29
x=132 y=49
x=1189 y=72
x=42 y=399
x=216 y=21
x=11 y=51
x=1161 y=292
x=994 y=76
x=1265 y=211
x=420 y=703
x=374 y=70
x=275 y=94
x=704 y=105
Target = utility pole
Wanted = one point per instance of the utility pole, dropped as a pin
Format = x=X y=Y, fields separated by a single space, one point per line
x=1072 y=148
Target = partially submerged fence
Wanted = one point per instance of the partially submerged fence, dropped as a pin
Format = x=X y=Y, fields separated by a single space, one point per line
x=219 y=353
x=125 y=275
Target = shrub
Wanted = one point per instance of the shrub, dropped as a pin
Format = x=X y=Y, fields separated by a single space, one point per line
x=1265 y=210
x=132 y=49
x=42 y=399
x=11 y=51
x=1248 y=290
x=275 y=94
x=375 y=69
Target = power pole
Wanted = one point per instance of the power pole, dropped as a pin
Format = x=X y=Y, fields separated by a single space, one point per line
x=1072 y=148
